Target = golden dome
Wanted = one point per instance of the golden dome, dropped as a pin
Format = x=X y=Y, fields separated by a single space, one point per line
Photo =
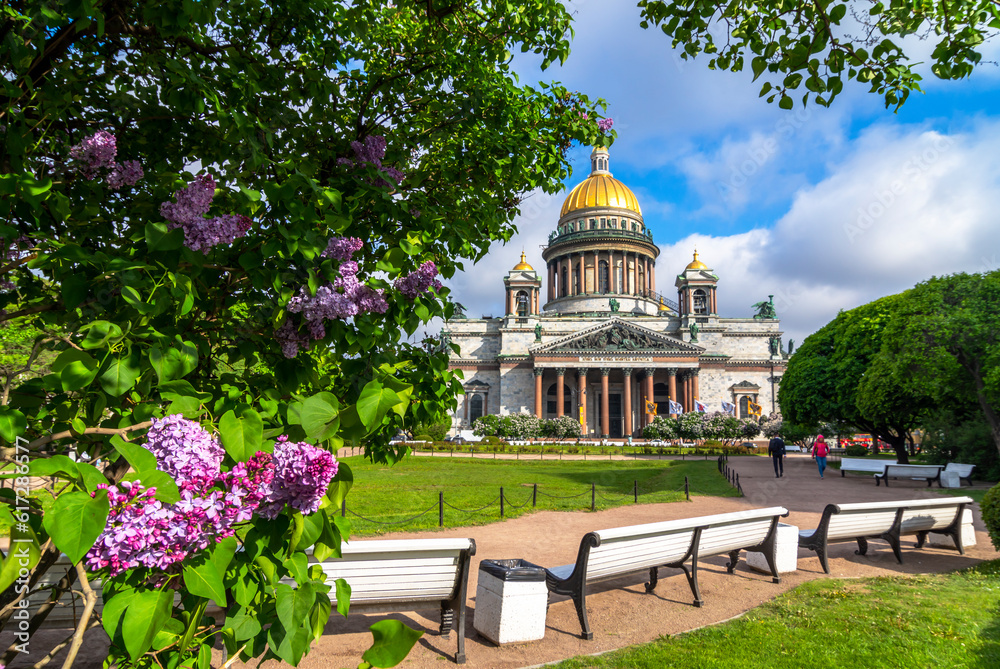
x=696 y=264
x=600 y=189
x=523 y=265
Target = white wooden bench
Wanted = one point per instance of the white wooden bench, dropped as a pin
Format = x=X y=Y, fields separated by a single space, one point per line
x=886 y=521
x=964 y=471
x=408 y=575
x=606 y=554
x=866 y=465
x=929 y=473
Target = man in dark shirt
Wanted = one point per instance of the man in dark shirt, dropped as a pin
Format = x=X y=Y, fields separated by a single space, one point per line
x=776 y=449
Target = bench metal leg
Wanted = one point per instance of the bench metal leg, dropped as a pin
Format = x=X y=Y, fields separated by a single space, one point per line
x=447 y=621
x=654 y=573
x=580 y=600
x=821 y=554
x=734 y=558
x=862 y=546
x=921 y=538
x=692 y=577
x=892 y=536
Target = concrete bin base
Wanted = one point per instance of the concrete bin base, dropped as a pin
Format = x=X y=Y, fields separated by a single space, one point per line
x=968 y=534
x=950 y=480
x=511 y=601
x=787 y=552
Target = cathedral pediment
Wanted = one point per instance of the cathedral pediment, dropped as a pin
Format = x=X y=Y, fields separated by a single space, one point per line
x=618 y=336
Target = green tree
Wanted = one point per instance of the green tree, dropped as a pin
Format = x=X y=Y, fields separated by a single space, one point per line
x=945 y=341
x=234 y=211
x=840 y=375
x=813 y=48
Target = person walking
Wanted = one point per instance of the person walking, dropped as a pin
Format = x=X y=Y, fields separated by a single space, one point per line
x=776 y=449
x=820 y=450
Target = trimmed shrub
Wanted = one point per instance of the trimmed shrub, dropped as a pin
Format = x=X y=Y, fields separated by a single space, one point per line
x=990 y=508
x=856 y=451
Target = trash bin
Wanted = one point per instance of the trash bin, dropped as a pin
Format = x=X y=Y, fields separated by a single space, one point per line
x=786 y=552
x=511 y=601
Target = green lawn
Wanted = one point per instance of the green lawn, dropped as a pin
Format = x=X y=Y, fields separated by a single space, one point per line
x=394 y=494
x=938 y=620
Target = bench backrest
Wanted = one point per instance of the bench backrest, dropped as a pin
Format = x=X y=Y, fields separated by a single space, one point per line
x=873 y=518
x=863 y=465
x=626 y=549
x=410 y=570
x=913 y=470
x=963 y=471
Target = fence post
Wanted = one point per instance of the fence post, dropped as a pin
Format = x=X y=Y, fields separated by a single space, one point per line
x=593 y=495
x=687 y=489
x=343 y=508
x=534 y=496
x=501 y=502
x=440 y=508
x=635 y=490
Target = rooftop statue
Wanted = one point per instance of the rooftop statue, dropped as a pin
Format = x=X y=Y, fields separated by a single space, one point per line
x=765 y=309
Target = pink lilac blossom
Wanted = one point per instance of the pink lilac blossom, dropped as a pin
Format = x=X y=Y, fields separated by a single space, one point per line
x=417 y=282
x=95 y=153
x=291 y=340
x=342 y=248
x=188 y=213
x=302 y=473
x=605 y=124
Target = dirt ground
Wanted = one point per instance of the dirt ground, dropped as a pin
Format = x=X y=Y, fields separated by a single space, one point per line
x=621 y=613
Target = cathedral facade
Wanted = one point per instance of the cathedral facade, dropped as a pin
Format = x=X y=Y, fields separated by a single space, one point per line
x=600 y=342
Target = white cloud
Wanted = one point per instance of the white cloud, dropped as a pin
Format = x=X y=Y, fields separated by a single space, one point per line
x=899 y=205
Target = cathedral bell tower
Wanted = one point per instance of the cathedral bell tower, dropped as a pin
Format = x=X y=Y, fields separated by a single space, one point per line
x=523 y=288
x=696 y=288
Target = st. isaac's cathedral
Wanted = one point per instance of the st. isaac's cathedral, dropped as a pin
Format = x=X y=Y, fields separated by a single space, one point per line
x=600 y=341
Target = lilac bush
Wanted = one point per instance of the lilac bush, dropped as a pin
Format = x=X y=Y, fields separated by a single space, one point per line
x=370 y=153
x=96 y=153
x=188 y=211
x=418 y=281
x=302 y=473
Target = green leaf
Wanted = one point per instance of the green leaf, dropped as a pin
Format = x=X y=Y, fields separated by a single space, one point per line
x=297 y=565
x=166 y=487
x=329 y=541
x=340 y=485
x=392 y=261
x=121 y=375
x=146 y=614
x=91 y=476
x=222 y=553
x=138 y=457
x=320 y=416
x=175 y=362
x=203 y=579
x=320 y=615
x=12 y=424
x=99 y=334
x=244 y=623
x=243 y=436
x=76 y=520
x=161 y=238
x=392 y=643
x=171 y=633
x=52 y=466
x=76 y=369
x=374 y=402
x=292 y=605
x=343 y=596
x=24 y=552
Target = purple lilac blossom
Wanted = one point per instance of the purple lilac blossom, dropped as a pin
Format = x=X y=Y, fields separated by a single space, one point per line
x=188 y=213
x=125 y=174
x=417 y=282
x=605 y=124
x=371 y=152
x=184 y=450
x=143 y=532
x=95 y=152
x=302 y=474
x=342 y=248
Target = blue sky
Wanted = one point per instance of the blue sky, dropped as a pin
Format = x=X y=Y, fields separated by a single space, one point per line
x=824 y=208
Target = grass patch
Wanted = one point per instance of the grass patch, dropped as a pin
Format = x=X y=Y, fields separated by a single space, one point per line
x=396 y=494
x=938 y=620
x=976 y=494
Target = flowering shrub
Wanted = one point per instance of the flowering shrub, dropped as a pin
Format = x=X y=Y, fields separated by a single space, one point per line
x=188 y=214
x=663 y=428
x=562 y=427
x=519 y=426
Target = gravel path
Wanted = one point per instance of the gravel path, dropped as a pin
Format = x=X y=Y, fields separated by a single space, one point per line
x=620 y=611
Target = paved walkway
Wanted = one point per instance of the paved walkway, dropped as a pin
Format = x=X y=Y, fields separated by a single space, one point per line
x=620 y=612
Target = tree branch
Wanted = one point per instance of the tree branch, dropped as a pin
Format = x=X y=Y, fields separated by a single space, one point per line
x=41 y=441
x=89 y=601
